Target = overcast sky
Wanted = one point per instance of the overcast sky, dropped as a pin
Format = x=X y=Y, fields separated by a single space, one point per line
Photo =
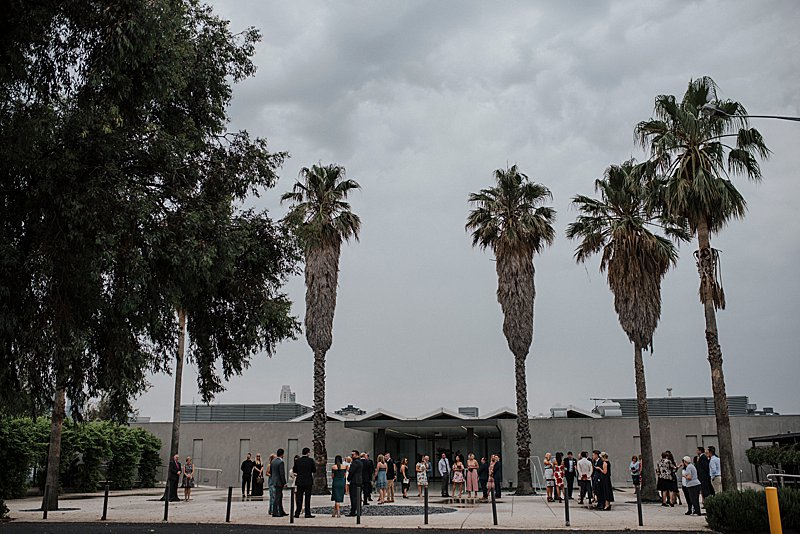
x=422 y=101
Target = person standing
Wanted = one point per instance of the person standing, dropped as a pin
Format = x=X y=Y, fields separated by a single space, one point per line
x=270 y=482
x=258 y=477
x=354 y=481
x=188 y=478
x=691 y=486
x=472 y=476
x=703 y=474
x=585 y=470
x=390 y=477
x=558 y=475
x=304 y=469
x=380 y=478
x=422 y=476
x=549 y=478
x=498 y=476
x=483 y=477
x=458 y=477
x=366 y=477
x=278 y=475
x=714 y=469
x=338 y=484
x=608 y=487
x=173 y=478
x=597 y=480
x=444 y=472
x=247 y=474
x=570 y=469
x=404 y=480
x=636 y=471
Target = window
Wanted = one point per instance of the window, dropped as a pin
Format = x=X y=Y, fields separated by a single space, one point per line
x=244 y=448
x=197 y=452
x=587 y=444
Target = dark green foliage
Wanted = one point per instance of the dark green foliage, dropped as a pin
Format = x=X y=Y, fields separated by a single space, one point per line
x=132 y=455
x=746 y=511
x=774 y=455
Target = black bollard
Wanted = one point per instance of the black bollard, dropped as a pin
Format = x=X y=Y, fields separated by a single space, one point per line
x=166 y=502
x=639 y=506
x=566 y=510
x=494 y=507
x=358 y=506
x=426 y=505
x=105 y=503
x=228 y=511
x=46 y=504
x=291 y=504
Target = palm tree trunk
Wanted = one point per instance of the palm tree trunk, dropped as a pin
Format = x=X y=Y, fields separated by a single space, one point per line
x=524 y=479
x=54 y=452
x=319 y=419
x=648 y=471
x=176 y=402
x=707 y=270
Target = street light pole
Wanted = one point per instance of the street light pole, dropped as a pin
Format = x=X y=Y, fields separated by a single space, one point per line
x=711 y=110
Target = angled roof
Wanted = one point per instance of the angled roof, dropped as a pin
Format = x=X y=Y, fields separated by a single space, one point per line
x=443 y=413
x=501 y=413
x=380 y=414
x=330 y=416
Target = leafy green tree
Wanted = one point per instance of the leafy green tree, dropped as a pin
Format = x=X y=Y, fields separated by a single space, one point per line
x=323 y=219
x=697 y=152
x=510 y=219
x=636 y=259
x=113 y=121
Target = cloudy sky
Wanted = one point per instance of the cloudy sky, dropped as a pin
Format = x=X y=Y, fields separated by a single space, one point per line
x=422 y=101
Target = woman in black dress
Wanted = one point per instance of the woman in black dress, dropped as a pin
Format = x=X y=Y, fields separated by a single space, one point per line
x=608 y=488
x=257 y=483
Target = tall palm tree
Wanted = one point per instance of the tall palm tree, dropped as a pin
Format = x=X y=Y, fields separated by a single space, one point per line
x=510 y=220
x=697 y=152
x=618 y=224
x=323 y=220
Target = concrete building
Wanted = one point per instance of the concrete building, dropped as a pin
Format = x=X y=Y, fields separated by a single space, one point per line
x=222 y=443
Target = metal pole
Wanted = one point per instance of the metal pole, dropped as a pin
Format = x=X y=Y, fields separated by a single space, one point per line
x=166 y=502
x=494 y=507
x=358 y=505
x=426 y=505
x=105 y=503
x=46 y=504
x=773 y=511
x=228 y=511
x=639 y=505
x=291 y=504
x=566 y=508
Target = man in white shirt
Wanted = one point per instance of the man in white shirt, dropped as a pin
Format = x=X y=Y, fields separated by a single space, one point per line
x=714 y=469
x=444 y=472
x=585 y=469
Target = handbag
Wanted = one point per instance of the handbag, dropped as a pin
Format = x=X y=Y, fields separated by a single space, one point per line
x=259 y=480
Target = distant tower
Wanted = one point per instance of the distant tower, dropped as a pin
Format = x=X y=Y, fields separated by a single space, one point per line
x=669 y=392
x=287 y=397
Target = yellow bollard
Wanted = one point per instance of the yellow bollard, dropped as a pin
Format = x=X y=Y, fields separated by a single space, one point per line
x=773 y=511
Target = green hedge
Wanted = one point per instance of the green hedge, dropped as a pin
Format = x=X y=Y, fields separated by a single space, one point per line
x=774 y=455
x=130 y=454
x=746 y=511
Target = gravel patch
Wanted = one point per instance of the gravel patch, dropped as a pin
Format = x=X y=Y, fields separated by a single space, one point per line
x=374 y=510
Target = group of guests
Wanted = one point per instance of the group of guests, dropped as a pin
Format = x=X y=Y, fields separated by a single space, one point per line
x=700 y=476
x=472 y=476
x=593 y=476
x=182 y=475
x=255 y=474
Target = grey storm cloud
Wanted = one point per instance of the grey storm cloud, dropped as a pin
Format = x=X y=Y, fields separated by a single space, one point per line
x=421 y=101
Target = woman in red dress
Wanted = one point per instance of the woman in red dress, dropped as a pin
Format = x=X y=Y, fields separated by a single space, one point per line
x=558 y=475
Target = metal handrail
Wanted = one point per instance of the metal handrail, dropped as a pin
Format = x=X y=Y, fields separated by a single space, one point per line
x=782 y=476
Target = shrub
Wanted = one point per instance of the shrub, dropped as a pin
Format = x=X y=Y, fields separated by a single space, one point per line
x=774 y=455
x=746 y=511
x=150 y=459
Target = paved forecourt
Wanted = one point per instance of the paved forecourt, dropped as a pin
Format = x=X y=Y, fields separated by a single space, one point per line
x=209 y=506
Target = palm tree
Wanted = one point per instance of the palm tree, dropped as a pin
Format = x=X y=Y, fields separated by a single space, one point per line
x=690 y=148
x=323 y=220
x=636 y=260
x=510 y=220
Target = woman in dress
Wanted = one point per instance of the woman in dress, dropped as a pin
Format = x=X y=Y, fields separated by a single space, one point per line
x=257 y=483
x=608 y=489
x=380 y=478
x=422 y=475
x=490 y=482
x=404 y=480
x=188 y=478
x=458 y=478
x=558 y=476
x=339 y=477
x=548 y=475
x=472 y=476
x=676 y=496
x=270 y=485
x=636 y=471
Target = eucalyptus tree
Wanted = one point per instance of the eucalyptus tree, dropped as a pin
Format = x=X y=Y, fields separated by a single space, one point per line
x=510 y=219
x=697 y=153
x=112 y=115
x=323 y=219
x=620 y=226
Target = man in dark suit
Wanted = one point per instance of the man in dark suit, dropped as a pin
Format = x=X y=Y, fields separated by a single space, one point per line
x=354 y=481
x=247 y=473
x=703 y=473
x=366 y=477
x=174 y=475
x=570 y=469
x=277 y=477
x=498 y=476
x=304 y=469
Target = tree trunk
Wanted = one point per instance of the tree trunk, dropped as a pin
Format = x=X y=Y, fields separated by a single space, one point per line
x=524 y=479
x=176 y=406
x=319 y=420
x=54 y=452
x=707 y=270
x=648 y=471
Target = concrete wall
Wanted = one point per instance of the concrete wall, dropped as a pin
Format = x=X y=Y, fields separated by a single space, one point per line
x=618 y=437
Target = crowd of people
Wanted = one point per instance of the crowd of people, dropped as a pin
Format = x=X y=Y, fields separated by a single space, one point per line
x=700 y=476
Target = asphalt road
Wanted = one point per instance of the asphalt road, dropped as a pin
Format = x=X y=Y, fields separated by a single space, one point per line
x=16 y=527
